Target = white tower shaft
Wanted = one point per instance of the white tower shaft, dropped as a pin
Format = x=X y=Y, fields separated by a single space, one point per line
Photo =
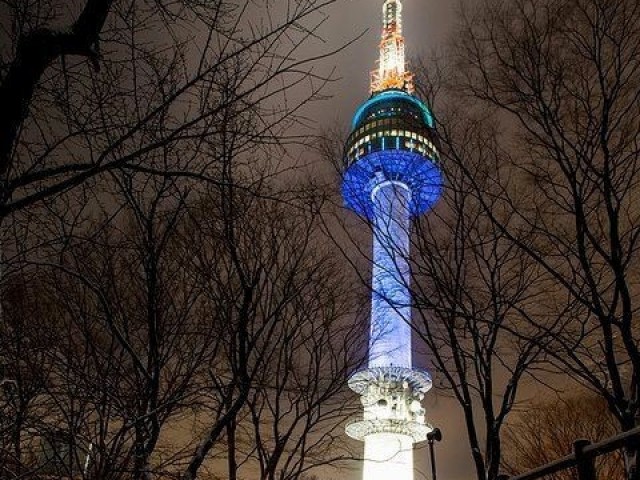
x=391 y=389
x=388 y=456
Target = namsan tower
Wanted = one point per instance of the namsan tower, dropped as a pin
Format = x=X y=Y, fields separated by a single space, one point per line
x=391 y=175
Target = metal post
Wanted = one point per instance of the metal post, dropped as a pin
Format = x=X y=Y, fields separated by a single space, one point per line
x=434 y=436
x=585 y=465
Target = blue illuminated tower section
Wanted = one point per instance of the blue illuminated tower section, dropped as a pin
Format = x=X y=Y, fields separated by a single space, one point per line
x=391 y=175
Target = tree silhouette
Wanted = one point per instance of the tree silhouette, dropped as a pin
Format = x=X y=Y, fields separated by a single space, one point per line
x=555 y=87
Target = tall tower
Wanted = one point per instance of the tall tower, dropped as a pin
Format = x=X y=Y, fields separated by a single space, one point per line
x=391 y=175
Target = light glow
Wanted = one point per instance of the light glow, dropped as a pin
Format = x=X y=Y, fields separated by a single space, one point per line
x=388 y=456
x=422 y=176
x=390 y=338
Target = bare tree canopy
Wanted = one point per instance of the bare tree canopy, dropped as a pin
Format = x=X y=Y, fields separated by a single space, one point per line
x=470 y=286
x=90 y=86
x=546 y=128
x=244 y=338
x=177 y=281
x=545 y=431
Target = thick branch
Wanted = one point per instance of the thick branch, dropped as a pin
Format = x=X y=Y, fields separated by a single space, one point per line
x=35 y=52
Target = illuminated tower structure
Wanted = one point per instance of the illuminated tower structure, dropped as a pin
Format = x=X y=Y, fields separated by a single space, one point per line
x=391 y=175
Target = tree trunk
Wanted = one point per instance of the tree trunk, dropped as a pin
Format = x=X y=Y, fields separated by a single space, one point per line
x=35 y=52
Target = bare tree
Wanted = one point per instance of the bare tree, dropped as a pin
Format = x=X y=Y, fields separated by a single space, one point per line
x=165 y=294
x=178 y=312
x=559 y=81
x=131 y=336
x=121 y=80
x=546 y=430
x=285 y=304
x=469 y=286
x=299 y=415
x=295 y=414
x=24 y=372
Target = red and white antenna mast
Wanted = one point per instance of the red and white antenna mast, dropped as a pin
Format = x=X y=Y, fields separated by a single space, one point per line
x=391 y=71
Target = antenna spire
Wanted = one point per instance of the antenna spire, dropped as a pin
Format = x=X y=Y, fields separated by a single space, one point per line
x=391 y=71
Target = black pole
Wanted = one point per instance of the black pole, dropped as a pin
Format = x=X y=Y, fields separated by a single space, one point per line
x=585 y=464
x=433 y=460
x=433 y=436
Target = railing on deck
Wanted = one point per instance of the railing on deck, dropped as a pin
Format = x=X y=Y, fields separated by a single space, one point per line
x=583 y=457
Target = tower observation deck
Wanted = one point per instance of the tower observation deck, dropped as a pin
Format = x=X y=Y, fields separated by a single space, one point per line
x=391 y=175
